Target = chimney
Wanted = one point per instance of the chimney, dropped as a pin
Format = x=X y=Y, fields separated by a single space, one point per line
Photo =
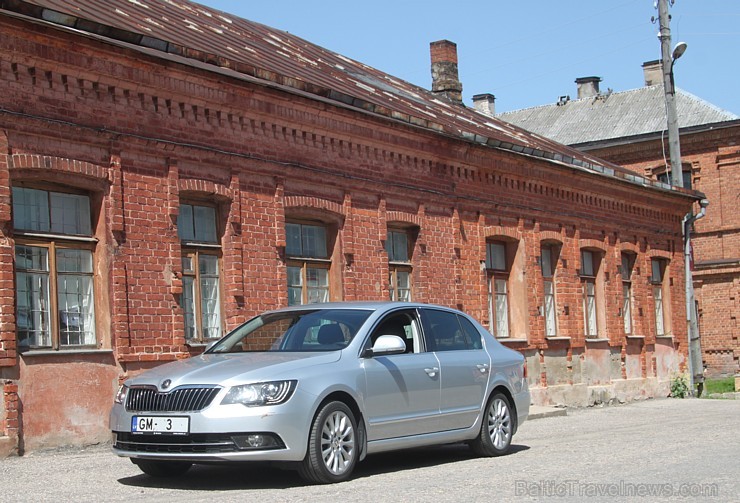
x=445 y=80
x=653 y=71
x=485 y=104
x=588 y=87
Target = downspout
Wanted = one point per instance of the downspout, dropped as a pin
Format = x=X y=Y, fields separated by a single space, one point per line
x=696 y=370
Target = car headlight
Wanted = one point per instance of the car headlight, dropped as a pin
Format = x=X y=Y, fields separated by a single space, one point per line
x=263 y=393
x=121 y=394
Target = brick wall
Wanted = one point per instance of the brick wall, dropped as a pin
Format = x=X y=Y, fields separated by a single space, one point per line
x=141 y=138
x=714 y=158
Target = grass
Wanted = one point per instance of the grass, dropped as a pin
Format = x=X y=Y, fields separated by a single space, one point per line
x=724 y=385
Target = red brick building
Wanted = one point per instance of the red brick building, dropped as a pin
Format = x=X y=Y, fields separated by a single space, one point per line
x=167 y=171
x=628 y=128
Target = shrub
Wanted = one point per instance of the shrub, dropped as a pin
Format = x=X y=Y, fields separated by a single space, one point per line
x=680 y=386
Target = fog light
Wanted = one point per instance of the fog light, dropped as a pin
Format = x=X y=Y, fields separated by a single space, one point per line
x=257 y=441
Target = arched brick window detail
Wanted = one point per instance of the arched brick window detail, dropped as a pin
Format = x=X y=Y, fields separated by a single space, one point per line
x=507 y=296
x=399 y=245
x=549 y=257
x=592 y=284
x=311 y=245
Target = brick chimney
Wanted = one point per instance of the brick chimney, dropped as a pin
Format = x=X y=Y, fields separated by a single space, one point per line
x=445 y=80
x=588 y=87
x=653 y=71
x=485 y=104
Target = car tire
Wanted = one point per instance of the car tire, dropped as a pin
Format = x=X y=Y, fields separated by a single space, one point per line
x=497 y=428
x=162 y=469
x=333 y=446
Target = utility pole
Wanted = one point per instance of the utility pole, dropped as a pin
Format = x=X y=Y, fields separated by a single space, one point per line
x=670 y=92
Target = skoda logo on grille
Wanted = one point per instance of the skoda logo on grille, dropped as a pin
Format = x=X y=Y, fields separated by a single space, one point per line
x=166 y=383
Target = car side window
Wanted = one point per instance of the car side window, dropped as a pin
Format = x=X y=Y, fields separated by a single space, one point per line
x=471 y=333
x=443 y=331
x=400 y=323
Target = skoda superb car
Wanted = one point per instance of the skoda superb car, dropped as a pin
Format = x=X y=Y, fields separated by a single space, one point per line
x=321 y=386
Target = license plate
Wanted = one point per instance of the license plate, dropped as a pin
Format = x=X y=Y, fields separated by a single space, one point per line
x=160 y=424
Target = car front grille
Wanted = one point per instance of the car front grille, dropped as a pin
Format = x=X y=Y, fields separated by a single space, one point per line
x=186 y=399
x=181 y=444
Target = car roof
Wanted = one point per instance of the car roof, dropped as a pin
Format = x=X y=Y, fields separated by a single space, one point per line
x=362 y=305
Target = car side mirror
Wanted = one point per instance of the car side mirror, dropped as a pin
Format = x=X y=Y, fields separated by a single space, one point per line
x=387 y=345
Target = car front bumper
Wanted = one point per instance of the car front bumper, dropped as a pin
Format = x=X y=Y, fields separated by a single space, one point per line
x=219 y=432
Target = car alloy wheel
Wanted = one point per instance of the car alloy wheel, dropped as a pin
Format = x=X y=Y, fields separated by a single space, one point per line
x=332 y=446
x=497 y=428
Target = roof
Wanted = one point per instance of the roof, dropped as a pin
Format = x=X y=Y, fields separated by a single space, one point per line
x=209 y=39
x=613 y=116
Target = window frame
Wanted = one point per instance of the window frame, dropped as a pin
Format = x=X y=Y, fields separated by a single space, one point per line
x=548 y=279
x=193 y=250
x=306 y=262
x=53 y=241
x=399 y=264
x=588 y=273
x=659 y=294
x=497 y=279
x=626 y=268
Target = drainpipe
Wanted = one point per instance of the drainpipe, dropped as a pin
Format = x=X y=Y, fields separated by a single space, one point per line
x=696 y=370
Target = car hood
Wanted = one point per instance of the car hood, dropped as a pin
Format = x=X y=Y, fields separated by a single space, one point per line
x=232 y=368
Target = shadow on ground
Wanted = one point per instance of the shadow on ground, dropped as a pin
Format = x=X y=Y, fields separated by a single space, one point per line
x=239 y=476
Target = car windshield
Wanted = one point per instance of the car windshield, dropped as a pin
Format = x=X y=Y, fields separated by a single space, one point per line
x=290 y=331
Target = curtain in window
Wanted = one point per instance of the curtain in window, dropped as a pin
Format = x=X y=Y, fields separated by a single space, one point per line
x=550 y=312
x=590 y=309
x=187 y=300
x=403 y=279
x=295 y=286
x=659 y=321
x=209 y=291
x=32 y=294
x=502 y=308
x=627 y=307
x=317 y=283
x=75 y=297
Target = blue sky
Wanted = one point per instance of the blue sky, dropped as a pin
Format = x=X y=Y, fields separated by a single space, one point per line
x=526 y=53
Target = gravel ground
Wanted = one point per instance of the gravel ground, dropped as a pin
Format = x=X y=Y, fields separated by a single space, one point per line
x=657 y=450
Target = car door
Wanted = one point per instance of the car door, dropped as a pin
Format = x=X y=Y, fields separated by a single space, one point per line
x=402 y=391
x=464 y=366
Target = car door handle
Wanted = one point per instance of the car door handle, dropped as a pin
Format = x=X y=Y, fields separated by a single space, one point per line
x=431 y=371
x=483 y=367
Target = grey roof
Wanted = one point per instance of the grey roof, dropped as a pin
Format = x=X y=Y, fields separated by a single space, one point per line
x=610 y=116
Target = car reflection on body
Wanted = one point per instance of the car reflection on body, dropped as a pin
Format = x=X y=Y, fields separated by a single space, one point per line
x=321 y=386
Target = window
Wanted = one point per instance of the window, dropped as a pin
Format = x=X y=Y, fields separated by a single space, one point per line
x=665 y=177
x=55 y=299
x=589 y=269
x=498 y=288
x=308 y=263
x=548 y=261
x=626 y=273
x=446 y=331
x=397 y=245
x=658 y=268
x=201 y=285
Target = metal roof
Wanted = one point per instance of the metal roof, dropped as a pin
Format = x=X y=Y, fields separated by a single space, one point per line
x=612 y=116
x=220 y=41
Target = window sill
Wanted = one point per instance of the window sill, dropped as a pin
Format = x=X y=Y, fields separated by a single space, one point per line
x=594 y=339
x=664 y=337
x=556 y=338
x=509 y=339
x=63 y=352
x=635 y=336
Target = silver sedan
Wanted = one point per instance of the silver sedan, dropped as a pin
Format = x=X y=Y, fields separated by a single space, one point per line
x=321 y=386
